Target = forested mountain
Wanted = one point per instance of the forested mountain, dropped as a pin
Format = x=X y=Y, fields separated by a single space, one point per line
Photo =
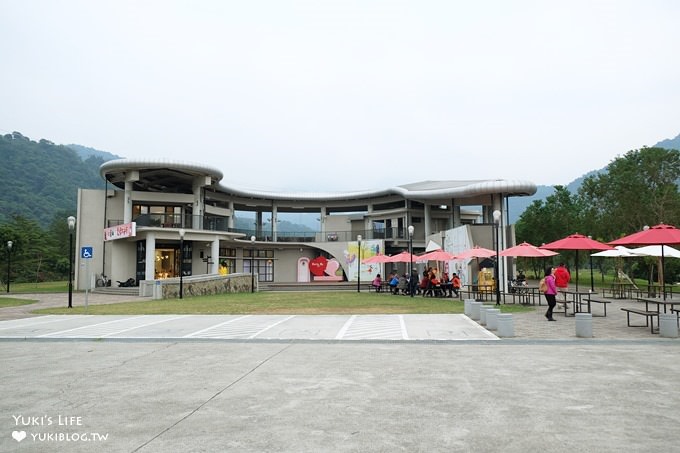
x=40 y=179
x=519 y=204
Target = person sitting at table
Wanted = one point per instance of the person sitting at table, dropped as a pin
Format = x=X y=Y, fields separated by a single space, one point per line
x=377 y=283
x=393 y=284
x=562 y=278
x=425 y=283
x=521 y=279
x=402 y=285
x=455 y=283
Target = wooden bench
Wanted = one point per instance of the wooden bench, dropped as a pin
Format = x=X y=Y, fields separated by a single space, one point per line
x=649 y=316
x=590 y=300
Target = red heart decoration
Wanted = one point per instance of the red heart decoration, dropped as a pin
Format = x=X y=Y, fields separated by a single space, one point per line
x=317 y=266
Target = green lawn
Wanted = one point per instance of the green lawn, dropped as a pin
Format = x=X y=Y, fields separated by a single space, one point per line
x=312 y=303
x=12 y=302
x=42 y=287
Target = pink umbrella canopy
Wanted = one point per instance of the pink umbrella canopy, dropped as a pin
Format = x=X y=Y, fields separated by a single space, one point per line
x=403 y=257
x=475 y=252
x=436 y=255
x=577 y=242
x=376 y=259
x=527 y=250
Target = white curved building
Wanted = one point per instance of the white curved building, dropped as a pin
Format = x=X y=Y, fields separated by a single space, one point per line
x=134 y=225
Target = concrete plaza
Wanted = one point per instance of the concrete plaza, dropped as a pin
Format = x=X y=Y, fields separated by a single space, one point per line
x=544 y=390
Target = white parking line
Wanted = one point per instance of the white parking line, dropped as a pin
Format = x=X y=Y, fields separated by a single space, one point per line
x=269 y=327
x=87 y=327
x=14 y=324
x=215 y=326
x=404 y=332
x=143 y=325
x=344 y=328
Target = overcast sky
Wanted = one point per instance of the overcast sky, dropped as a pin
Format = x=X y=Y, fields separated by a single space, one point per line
x=347 y=95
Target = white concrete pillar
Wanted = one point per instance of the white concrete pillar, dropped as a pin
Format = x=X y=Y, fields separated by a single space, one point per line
x=150 y=266
x=215 y=253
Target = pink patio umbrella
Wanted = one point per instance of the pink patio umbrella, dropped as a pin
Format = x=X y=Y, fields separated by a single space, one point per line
x=527 y=250
x=403 y=257
x=578 y=242
x=376 y=259
x=475 y=252
x=657 y=235
x=435 y=255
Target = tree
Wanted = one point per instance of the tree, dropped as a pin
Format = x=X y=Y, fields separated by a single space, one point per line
x=638 y=189
x=545 y=221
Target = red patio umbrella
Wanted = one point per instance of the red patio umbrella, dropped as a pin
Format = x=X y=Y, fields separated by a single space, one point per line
x=657 y=235
x=527 y=250
x=577 y=242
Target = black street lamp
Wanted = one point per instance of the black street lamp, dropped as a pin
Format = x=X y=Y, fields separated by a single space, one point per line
x=181 y=262
x=252 y=268
x=9 y=262
x=359 y=263
x=71 y=221
x=592 y=280
x=411 y=283
x=497 y=220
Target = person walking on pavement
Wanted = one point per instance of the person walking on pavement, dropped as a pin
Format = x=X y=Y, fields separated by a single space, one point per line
x=550 y=290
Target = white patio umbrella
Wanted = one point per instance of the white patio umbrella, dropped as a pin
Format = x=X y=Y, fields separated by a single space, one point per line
x=618 y=252
x=656 y=250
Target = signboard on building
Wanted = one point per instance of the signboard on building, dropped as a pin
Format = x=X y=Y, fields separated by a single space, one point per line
x=126 y=230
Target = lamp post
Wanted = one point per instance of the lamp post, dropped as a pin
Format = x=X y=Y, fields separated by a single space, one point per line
x=252 y=268
x=411 y=283
x=71 y=221
x=9 y=262
x=181 y=262
x=359 y=263
x=592 y=280
x=497 y=220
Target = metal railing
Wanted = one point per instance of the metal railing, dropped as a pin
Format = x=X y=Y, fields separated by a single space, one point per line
x=215 y=223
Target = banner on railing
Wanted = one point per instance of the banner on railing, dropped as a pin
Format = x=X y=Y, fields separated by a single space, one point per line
x=126 y=230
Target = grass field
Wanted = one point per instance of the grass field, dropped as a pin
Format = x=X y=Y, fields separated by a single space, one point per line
x=12 y=302
x=42 y=287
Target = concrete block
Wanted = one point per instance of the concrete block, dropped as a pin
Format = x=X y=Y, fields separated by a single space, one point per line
x=506 y=327
x=668 y=325
x=584 y=325
x=492 y=318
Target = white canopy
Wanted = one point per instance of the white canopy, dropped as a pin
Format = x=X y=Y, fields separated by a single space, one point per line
x=655 y=250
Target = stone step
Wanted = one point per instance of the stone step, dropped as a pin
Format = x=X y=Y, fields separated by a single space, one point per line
x=128 y=291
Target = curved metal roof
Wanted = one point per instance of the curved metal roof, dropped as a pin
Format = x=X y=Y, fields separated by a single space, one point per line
x=159 y=175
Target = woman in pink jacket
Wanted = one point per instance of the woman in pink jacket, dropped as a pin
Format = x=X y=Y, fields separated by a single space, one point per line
x=550 y=292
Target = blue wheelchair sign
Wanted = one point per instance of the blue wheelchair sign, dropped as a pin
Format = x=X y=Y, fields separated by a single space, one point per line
x=86 y=253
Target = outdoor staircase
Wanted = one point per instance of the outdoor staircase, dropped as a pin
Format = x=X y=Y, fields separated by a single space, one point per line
x=312 y=286
x=128 y=291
